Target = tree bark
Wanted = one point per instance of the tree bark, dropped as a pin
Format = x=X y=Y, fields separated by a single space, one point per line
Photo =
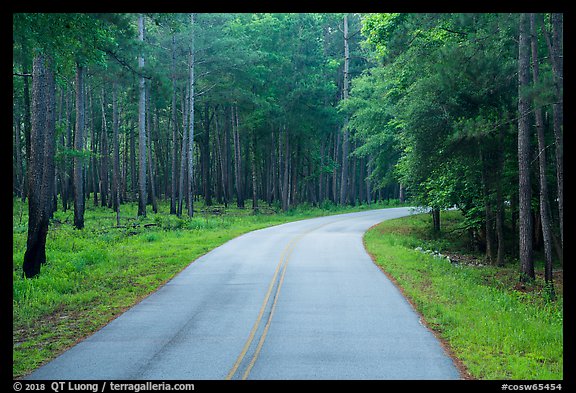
x=205 y=156
x=486 y=161
x=149 y=157
x=344 y=186
x=545 y=215
x=190 y=188
x=42 y=168
x=222 y=160
x=285 y=182
x=556 y=56
x=436 y=220
x=500 y=201
x=237 y=159
x=93 y=168
x=183 y=155
x=104 y=160
x=116 y=155
x=79 y=147
x=254 y=179
x=228 y=155
x=142 y=196
x=336 y=150
x=524 y=188
x=174 y=132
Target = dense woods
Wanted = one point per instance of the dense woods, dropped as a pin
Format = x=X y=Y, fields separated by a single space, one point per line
x=444 y=110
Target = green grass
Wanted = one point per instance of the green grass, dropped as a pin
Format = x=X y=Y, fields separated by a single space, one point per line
x=93 y=275
x=497 y=330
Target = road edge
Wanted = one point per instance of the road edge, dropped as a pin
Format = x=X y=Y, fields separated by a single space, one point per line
x=460 y=366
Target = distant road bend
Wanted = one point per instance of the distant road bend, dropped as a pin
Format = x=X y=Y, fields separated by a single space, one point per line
x=296 y=301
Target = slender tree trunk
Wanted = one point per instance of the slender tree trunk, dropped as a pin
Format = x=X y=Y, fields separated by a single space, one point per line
x=190 y=188
x=228 y=155
x=369 y=187
x=183 y=154
x=436 y=220
x=142 y=197
x=79 y=147
x=104 y=159
x=344 y=182
x=524 y=189
x=116 y=154
x=272 y=167
x=545 y=215
x=336 y=150
x=41 y=170
x=486 y=160
x=222 y=160
x=556 y=56
x=254 y=180
x=174 y=132
x=133 y=170
x=67 y=143
x=149 y=157
x=93 y=168
x=285 y=180
x=205 y=157
x=237 y=159
x=500 y=201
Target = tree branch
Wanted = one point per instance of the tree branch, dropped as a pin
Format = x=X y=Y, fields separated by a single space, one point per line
x=125 y=64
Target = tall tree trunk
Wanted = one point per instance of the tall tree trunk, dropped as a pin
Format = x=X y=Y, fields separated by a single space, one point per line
x=556 y=56
x=285 y=179
x=344 y=186
x=66 y=178
x=368 y=184
x=93 y=148
x=336 y=150
x=254 y=180
x=142 y=197
x=486 y=160
x=271 y=189
x=116 y=154
x=79 y=147
x=133 y=170
x=228 y=156
x=500 y=201
x=149 y=157
x=104 y=159
x=41 y=170
x=205 y=156
x=524 y=188
x=183 y=155
x=174 y=132
x=545 y=215
x=190 y=188
x=237 y=159
x=222 y=160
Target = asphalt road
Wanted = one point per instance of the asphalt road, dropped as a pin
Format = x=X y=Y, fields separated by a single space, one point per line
x=297 y=301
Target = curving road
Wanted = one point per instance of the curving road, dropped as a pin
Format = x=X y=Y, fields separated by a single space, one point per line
x=296 y=301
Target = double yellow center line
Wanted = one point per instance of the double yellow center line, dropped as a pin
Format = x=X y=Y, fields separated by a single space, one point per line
x=280 y=270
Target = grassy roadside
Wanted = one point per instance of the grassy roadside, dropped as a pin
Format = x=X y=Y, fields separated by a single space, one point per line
x=93 y=275
x=495 y=328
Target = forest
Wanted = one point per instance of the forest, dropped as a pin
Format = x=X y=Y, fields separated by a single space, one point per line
x=446 y=111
